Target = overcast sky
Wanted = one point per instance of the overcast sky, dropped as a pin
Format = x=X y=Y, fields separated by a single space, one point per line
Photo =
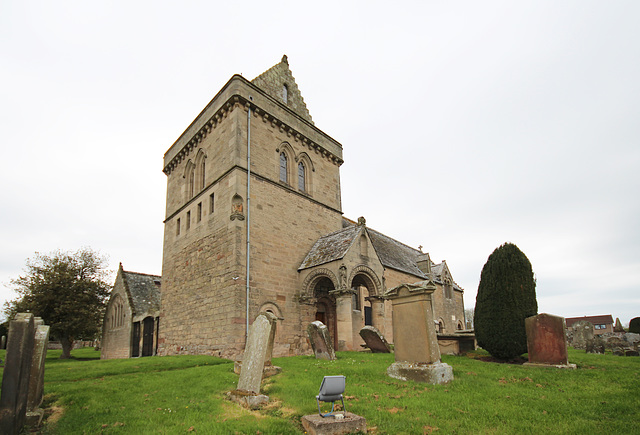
x=464 y=125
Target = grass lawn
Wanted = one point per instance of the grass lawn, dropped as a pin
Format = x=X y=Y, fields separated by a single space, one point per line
x=185 y=394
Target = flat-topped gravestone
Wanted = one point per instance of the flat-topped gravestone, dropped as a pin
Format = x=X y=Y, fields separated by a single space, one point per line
x=36 y=379
x=547 y=341
x=374 y=340
x=582 y=331
x=416 y=347
x=17 y=370
x=257 y=351
x=320 y=341
x=341 y=423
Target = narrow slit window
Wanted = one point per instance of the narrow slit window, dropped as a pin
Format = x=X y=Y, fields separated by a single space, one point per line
x=283 y=167
x=199 y=216
x=178 y=227
x=188 y=220
x=211 y=206
x=301 y=177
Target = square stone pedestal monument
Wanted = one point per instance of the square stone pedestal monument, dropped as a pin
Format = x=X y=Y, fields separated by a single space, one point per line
x=414 y=334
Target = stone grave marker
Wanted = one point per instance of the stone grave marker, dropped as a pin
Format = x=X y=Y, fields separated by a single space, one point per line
x=36 y=379
x=321 y=341
x=15 y=379
x=3 y=342
x=374 y=340
x=582 y=331
x=595 y=345
x=257 y=351
x=547 y=341
x=417 y=353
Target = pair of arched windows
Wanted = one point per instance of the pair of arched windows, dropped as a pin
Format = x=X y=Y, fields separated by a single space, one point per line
x=117 y=314
x=195 y=175
x=302 y=172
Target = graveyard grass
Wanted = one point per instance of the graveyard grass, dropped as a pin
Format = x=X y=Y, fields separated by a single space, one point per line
x=185 y=394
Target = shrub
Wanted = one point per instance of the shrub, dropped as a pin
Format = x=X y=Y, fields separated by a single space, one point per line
x=634 y=325
x=506 y=296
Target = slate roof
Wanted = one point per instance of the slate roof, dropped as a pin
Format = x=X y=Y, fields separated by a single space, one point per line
x=144 y=291
x=392 y=254
x=331 y=247
x=596 y=320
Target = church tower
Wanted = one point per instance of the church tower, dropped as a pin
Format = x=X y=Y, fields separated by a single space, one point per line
x=252 y=170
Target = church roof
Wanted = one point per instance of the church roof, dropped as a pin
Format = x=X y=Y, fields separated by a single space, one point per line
x=331 y=247
x=273 y=80
x=392 y=253
x=144 y=291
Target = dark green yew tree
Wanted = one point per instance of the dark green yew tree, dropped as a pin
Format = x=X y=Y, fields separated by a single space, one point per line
x=634 y=325
x=506 y=296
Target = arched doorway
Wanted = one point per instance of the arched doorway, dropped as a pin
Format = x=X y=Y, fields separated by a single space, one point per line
x=325 y=307
x=367 y=300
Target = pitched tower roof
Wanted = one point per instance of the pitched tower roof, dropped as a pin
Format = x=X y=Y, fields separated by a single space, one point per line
x=279 y=83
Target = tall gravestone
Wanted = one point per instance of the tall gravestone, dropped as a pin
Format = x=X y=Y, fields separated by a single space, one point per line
x=547 y=341
x=257 y=351
x=17 y=370
x=320 y=341
x=582 y=332
x=3 y=342
x=415 y=341
x=36 y=379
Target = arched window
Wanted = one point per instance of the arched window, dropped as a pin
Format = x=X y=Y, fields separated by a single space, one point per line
x=302 y=182
x=283 y=167
x=202 y=175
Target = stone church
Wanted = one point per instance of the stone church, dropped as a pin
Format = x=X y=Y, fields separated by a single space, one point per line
x=254 y=223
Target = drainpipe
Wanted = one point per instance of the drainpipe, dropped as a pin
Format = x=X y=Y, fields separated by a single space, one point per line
x=246 y=332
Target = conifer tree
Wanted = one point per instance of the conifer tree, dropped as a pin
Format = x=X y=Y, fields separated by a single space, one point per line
x=506 y=296
x=634 y=325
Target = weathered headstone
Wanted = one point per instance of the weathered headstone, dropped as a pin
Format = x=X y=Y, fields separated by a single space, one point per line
x=582 y=331
x=547 y=341
x=315 y=424
x=374 y=340
x=416 y=348
x=595 y=345
x=3 y=342
x=320 y=341
x=15 y=379
x=36 y=379
x=257 y=351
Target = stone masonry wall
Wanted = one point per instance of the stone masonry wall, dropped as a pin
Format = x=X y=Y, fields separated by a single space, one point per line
x=116 y=340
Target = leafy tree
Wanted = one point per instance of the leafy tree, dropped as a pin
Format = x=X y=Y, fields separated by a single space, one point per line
x=634 y=325
x=506 y=296
x=68 y=290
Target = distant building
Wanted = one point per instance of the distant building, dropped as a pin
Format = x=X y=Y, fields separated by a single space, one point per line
x=130 y=326
x=601 y=324
x=283 y=205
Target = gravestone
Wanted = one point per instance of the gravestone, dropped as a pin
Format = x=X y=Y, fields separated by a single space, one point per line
x=582 y=331
x=618 y=326
x=416 y=349
x=36 y=379
x=595 y=345
x=15 y=379
x=320 y=341
x=257 y=351
x=374 y=340
x=3 y=342
x=547 y=341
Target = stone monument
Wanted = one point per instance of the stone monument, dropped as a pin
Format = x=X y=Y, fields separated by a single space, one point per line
x=416 y=345
x=582 y=331
x=36 y=379
x=547 y=341
x=374 y=340
x=17 y=371
x=320 y=341
x=257 y=351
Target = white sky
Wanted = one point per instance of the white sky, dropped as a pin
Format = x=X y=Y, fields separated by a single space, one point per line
x=464 y=124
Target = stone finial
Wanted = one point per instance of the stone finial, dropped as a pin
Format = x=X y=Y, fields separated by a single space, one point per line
x=284 y=59
x=362 y=221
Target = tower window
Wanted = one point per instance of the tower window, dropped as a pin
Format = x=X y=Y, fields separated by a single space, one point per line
x=211 y=204
x=199 y=215
x=188 y=220
x=283 y=167
x=301 y=177
x=178 y=227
